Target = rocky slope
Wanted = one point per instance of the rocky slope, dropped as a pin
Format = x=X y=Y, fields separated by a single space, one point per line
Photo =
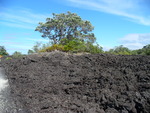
x=61 y=83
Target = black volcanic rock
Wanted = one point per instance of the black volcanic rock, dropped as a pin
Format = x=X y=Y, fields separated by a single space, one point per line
x=60 y=83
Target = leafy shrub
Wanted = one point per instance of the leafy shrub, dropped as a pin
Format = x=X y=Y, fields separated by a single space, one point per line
x=93 y=48
x=3 y=51
x=73 y=45
x=120 y=50
x=53 y=48
x=145 y=50
x=39 y=47
x=17 y=54
x=30 y=51
x=78 y=45
x=8 y=58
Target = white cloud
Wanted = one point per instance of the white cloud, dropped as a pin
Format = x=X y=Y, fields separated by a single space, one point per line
x=131 y=9
x=135 y=41
x=21 y=18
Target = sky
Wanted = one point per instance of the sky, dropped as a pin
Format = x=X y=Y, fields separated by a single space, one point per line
x=116 y=22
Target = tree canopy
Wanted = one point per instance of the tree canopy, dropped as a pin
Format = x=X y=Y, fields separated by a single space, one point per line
x=66 y=25
x=144 y=51
x=3 y=51
x=17 y=54
x=120 y=50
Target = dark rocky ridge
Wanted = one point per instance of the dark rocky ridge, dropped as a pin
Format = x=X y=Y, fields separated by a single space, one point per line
x=61 y=83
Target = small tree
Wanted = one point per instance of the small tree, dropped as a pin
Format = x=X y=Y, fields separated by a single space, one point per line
x=3 y=51
x=93 y=48
x=120 y=50
x=17 y=54
x=68 y=26
x=38 y=47
x=30 y=52
x=144 y=51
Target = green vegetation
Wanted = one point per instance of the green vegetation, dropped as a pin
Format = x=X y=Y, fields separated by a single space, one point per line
x=120 y=50
x=17 y=54
x=67 y=32
x=144 y=51
x=53 y=48
x=38 y=47
x=74 y=46
x=68 y=26
x=8 y=58
x=3 y=51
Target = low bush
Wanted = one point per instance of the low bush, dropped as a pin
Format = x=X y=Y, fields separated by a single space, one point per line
x=8 y=58
x=90 y=48
x=53 y=48
x=74 y=45
x=120 y=50
x=17 y=54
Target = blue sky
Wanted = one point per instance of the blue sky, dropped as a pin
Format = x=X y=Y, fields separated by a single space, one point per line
x=116 y=22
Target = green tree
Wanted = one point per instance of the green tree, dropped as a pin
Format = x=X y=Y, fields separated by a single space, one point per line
x=78 y=45
x=144 y=51
x=93 y=48
x=17 y=54
x=134 y=52
x=120 y=50
x=30 y=52
x=3 y=51
x=38 y=47
x=66 y=25
x=73 y=45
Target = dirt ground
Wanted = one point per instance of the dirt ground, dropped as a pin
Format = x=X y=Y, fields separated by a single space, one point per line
x=60 y=83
